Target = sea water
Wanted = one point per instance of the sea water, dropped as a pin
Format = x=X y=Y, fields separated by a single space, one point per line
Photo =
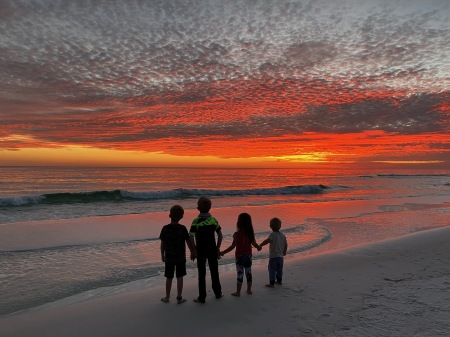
x=68 y=230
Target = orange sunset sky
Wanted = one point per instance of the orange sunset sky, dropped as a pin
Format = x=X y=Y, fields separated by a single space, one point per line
x=361 y=83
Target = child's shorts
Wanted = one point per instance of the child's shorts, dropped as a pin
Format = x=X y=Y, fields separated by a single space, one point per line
x=169 y=269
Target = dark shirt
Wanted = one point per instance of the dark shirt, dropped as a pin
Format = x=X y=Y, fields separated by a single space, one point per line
x=204 y=228
x=174 y=237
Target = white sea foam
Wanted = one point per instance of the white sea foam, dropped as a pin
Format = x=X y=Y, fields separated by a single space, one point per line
x=19 y=201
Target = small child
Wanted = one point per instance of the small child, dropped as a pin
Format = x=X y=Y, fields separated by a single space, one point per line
x=173 y=252
x=277 y=249
x=243 y=240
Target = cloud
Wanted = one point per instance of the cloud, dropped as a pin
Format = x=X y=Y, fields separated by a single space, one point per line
x=111 y=73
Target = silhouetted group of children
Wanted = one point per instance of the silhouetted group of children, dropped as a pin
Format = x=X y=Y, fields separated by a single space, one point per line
x=201 y=240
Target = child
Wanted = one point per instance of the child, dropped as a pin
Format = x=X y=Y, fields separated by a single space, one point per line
x=203 y=229
x=243 y=240
x=173 y=252
x=277 y=249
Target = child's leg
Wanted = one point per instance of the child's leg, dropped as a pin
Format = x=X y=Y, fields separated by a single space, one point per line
x=181 y=272
x=279 y=275
x=201 y=267
x=272 y=271
x=169 y=270
x=180 y=298
x=179 y=286
x=213 y=265
x=168 y=288
x=249 y=276
x=238 y=290
x=240 y=279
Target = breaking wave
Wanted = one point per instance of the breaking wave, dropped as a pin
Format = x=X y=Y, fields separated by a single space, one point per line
x=179 y=193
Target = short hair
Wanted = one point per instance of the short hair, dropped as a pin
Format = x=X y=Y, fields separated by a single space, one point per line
x=176 y=213
x=275 y=224
x=204 y=204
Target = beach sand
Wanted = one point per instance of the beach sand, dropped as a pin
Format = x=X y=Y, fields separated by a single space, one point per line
x=398 y=287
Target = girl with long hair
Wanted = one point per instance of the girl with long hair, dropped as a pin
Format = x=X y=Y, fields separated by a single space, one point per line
x=243 y=240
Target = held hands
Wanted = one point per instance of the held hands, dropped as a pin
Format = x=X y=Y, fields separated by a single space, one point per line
x=259 y=248
x=193 y=256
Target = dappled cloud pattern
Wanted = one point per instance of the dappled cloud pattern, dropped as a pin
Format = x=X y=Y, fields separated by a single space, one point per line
x=332 y=80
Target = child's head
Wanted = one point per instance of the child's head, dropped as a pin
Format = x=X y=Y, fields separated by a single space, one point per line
x=244 y=224
x=275 y=224
x=176 y=213
x=204 y=204
x=244 y=220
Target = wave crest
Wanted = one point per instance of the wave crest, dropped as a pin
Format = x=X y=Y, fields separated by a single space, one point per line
x=179 y=193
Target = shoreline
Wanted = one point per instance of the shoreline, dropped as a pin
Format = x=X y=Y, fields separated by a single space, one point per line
x=395 y=287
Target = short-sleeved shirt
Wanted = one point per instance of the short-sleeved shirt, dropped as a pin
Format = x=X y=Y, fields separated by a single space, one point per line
x=203 y=228
x=243 y=244
x=174 y=237
x=276 y=247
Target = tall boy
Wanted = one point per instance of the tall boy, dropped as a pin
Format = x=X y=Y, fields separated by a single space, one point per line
x=173 y=252
x=203 y=229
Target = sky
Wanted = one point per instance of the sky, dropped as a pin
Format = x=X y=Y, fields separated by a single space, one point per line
x=360 y=83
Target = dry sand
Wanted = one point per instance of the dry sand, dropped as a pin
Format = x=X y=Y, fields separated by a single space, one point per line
x=392 y=288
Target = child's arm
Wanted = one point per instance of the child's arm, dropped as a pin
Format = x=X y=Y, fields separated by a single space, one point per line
x=193 y=248
x=229 y=249
x=254 y=244
x=285 y=247
x=219 y=243
x=163 y=259
x=265 y=242
x=219 y=239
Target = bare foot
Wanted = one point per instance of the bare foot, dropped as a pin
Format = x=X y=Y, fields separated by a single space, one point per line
x=237 y=294
x=165 y=299
x=180 y=300
x=197 y=300
x=249 y=292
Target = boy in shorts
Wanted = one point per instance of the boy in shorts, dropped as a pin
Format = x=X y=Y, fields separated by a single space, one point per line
x=173 y=252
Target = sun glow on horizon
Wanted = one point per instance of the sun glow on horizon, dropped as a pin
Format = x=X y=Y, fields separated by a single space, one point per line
x=289 y=150
x=314 y=157
x=409 y=161
x=84 y=156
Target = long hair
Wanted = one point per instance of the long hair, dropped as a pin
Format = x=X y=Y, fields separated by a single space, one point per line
x=244 y=224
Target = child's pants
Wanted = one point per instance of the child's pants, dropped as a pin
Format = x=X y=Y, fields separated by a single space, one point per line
x=244 y=265
x=275 y=269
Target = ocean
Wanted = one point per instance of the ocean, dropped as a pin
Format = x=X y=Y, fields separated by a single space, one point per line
x=69 y=230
